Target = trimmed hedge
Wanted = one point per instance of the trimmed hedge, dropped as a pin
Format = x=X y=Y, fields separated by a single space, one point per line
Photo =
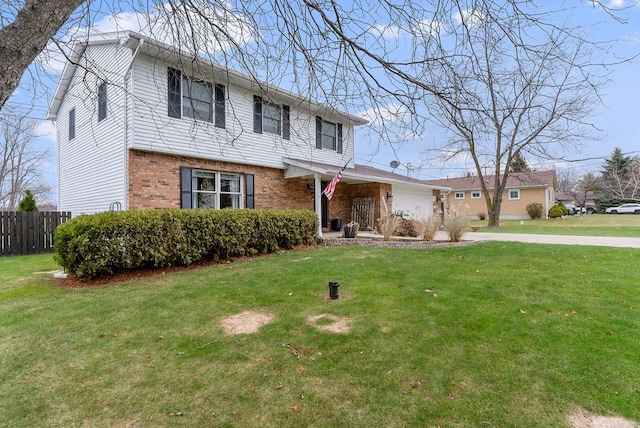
x=103 y=244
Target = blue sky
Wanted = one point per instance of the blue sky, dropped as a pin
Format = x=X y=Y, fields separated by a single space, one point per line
x=619 y=119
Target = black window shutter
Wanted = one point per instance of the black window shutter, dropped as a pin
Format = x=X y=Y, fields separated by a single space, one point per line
x=220 y=106
x=249 y=193
x=339 y=138
x=185 y=187
x=286 y=122
x=257 y=114
x=318 y=132
x=174 y=96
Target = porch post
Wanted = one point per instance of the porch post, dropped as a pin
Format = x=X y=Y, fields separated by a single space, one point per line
x=317 y=200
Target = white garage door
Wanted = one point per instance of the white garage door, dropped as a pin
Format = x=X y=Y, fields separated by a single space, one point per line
x=414 y=201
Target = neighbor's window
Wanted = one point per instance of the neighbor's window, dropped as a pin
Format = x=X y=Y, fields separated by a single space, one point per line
x=195 y=99
x=102 y=101
x=475 y=195
x=72 y=124
x=514 y=194
x=328 y=135
x=216 y=190
x=459 y=195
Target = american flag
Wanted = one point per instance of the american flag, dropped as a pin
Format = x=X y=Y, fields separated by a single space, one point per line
x=331 y=187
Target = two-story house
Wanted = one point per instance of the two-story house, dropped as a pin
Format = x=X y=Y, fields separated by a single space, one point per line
x=142 y=125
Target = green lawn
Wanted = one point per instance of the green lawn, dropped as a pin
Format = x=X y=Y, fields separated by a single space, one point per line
x=492 y=334
x=589 y=225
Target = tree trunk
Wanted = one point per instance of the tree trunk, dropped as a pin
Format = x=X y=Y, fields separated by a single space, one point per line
x=23 y=39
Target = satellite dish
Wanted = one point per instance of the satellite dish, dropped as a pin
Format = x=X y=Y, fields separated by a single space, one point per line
x=394 y=164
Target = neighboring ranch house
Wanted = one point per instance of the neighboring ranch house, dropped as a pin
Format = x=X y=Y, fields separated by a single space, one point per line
x=141 y=125
x=522 y=189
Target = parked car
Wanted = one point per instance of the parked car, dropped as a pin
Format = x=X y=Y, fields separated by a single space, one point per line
x=572 y=209
x=588 y=208
x=624 y=209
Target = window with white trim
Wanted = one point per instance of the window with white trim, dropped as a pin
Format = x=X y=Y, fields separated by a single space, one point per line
x=212 y=189
x=459 y=195
x=271 y=118
x=195 y=99
x=475 y=195
x=514 y=194
x=328 y=135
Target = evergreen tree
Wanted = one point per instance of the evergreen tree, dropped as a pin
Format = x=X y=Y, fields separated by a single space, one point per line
x=519 y=164
x=619 y=176
x=28 y=203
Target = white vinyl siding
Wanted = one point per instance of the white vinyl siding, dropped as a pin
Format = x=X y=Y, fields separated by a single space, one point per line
x=91 y=168
x=152 y=129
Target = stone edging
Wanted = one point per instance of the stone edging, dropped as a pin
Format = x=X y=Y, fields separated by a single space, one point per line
x=395 y=243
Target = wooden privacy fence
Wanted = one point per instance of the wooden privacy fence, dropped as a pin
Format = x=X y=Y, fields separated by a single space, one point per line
x=362 y=212
x=31 y=232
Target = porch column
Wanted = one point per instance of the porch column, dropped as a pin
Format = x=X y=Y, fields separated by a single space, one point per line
x=317 y=200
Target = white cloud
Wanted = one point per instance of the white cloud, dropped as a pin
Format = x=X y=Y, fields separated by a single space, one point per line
x=207 y=29
x=381 y=116
x=46 y=130
x=469 y=18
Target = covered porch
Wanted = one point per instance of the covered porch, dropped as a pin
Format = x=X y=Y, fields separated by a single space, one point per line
x=364 y=194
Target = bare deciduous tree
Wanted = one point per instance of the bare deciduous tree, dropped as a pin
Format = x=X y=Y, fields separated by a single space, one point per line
x=20 y=160
x=500 y=77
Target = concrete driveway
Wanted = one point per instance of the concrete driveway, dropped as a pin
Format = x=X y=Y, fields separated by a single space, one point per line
x=601 y=241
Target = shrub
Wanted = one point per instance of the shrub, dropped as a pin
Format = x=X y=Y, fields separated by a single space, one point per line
x=430 y=226
x=456 y=224
x=389 y=227
x=534 y=210
x=482 y=216
x=564 y=209
x=111 y=242
x=408 y=227
x=555 y=212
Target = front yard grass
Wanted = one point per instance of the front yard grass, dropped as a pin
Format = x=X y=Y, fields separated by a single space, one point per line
x=621 y=225
x=491 y=334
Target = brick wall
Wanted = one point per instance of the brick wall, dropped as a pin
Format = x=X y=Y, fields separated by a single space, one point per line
x=342 y=201
x=154 y=182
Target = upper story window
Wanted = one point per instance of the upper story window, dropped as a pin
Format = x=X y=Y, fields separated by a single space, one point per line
x=328 y=135
x=72 y=124
x=102 y=101
x=514 y=194
x=271 y=118
x=475 y=195
x=195 y=99
x=459 y=195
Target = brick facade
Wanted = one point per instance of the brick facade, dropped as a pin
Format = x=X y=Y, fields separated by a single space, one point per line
x=154 y=182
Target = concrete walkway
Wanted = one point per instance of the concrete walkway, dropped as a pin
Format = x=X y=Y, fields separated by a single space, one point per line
x=600 y=241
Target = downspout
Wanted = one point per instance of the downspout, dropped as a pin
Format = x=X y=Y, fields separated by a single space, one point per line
x=125 y=140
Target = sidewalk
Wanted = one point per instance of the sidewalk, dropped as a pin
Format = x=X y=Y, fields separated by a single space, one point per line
x=600 y=241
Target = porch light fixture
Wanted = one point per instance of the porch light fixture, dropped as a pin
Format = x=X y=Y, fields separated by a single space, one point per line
x=389 y=197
